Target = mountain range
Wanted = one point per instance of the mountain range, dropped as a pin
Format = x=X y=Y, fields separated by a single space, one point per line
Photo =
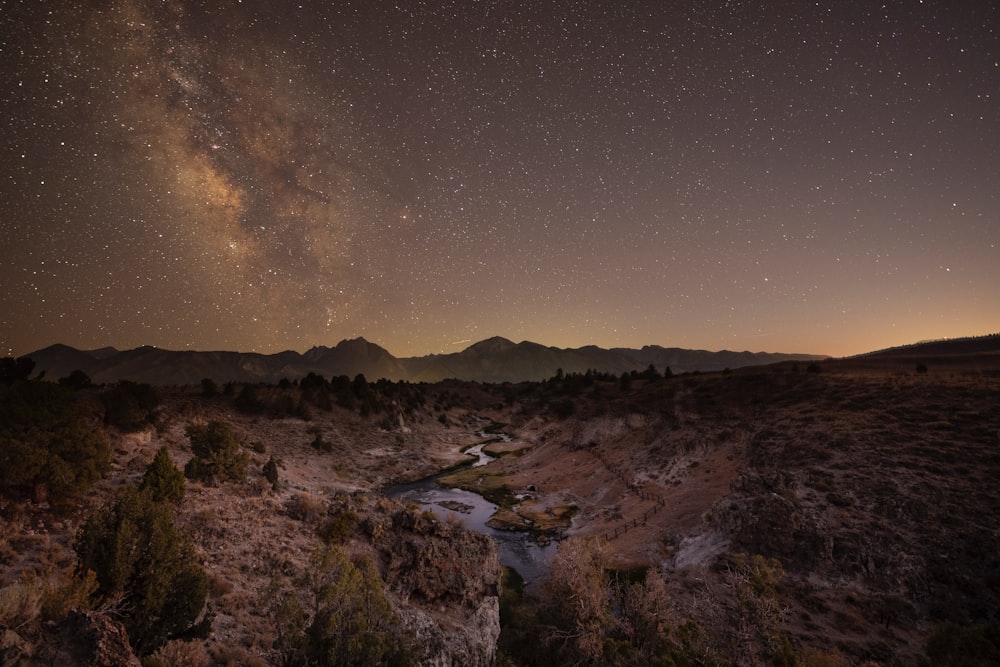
x=493 y=360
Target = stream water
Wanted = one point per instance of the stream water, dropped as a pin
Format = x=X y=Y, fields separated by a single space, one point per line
x=517 y=549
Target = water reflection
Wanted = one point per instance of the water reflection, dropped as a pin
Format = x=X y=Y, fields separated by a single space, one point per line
x=517 y=549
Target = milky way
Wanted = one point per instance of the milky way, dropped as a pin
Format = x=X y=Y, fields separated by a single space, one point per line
x=783 y=176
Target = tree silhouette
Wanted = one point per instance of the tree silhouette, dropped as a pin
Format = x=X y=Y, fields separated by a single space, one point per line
x=12 y=370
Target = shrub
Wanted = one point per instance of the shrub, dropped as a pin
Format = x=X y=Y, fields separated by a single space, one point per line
x=13 y=370
x=321 y=444
x=304 y=507
x=270 y=472
x=353 y=622
x=20 y=603
x=564 y=409
x=227 y=655
x=338 y=527
x=248 y=400
x=163 y=479
x=969 y=646
x=218 y=454
x=140 y=557
x=66 y=591
x=179 y=653
x=130 y=406
x=49 y=448
x=76 y=380
x=209 y=388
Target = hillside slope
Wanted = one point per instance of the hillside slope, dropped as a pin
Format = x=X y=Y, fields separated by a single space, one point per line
x=875 y=490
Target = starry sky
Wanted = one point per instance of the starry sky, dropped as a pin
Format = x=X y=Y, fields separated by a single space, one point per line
x=252 y=175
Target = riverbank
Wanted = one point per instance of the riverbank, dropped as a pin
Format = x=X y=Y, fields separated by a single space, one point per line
x=482 y=500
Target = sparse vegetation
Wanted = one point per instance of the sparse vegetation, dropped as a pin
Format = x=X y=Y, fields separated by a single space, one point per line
x=870 y=488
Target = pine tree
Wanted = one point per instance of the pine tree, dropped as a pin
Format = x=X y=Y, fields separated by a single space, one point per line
x=163 y=479
x=140 y=557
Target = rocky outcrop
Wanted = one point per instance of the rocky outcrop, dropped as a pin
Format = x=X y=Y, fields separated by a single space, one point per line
x=82 y=639
x=14 y=649
x=443 y=579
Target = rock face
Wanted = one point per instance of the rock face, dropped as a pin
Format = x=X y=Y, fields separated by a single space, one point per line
x=14 y=650
x=444 y=580
x=88 y=639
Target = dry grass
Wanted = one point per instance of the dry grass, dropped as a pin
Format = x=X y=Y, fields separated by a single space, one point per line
x=20 y=604
x=179 y=653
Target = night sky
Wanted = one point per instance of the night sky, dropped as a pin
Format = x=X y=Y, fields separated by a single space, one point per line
x=788 y=176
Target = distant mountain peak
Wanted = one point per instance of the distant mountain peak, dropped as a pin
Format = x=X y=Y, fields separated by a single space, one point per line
x=491 y=345
x=495 y=359
x=357 y=341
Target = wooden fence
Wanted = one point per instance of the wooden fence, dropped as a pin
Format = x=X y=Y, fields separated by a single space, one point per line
x=636 y=490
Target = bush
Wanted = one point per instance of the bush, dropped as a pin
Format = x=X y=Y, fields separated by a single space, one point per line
x=248 y=400
x=180 y=654
x=353 y=622
x=337 y=529
x=12 y=370
x=968 y=646
x=304 y=507
x=20 y=603
x=49 y=449
x=130 y=406
x=163 y=479
x=76 y=380
x=142 y=559
x=218 y=454
x=270 y=472
x=321 y=444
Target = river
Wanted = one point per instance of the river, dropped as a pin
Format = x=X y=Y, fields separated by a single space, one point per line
x=517 y=549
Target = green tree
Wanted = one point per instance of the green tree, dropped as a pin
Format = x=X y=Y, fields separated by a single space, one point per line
x=49 y=448
x=248 y=400
x=130 y=406
x=76 y=380
x=218 y=453
x=360 y=386
x=163 y=479
x=209 y=388
x=351 y=622
x=143 y=560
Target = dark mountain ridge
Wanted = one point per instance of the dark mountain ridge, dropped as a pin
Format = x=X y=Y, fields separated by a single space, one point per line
x=492 y=360
x=943 y=347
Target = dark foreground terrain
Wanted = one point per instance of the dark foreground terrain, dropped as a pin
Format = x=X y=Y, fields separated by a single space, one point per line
x=835 y=513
